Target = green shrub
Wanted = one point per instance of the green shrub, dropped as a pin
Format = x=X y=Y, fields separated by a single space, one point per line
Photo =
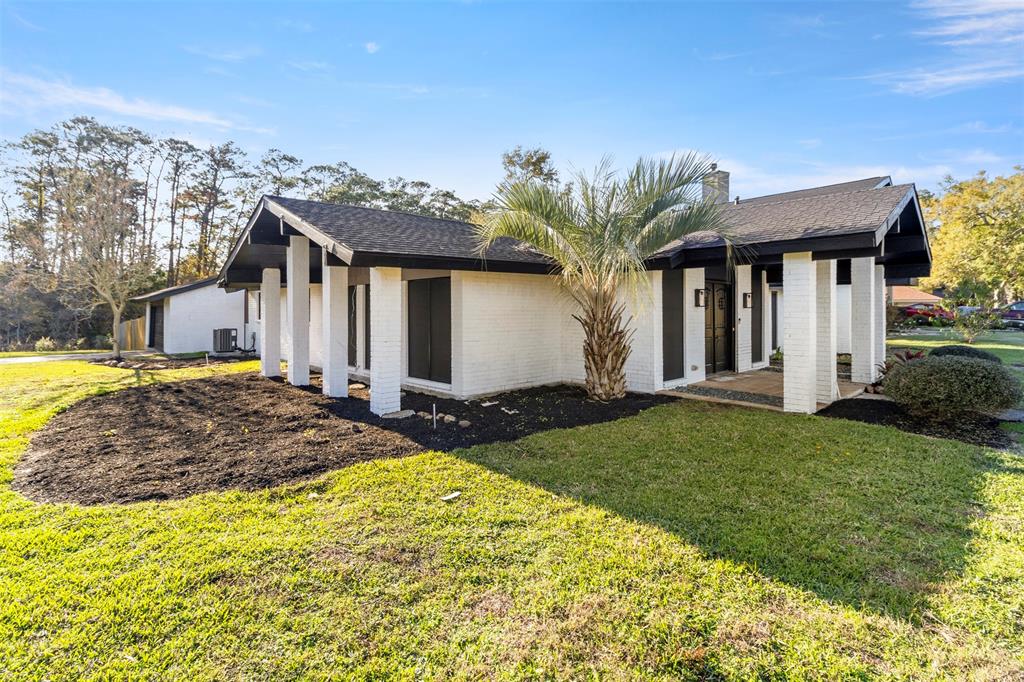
x=966 y=352
x=946 y=386
x=46 y=344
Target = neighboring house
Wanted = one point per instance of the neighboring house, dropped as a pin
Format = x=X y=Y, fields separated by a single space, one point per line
x=406 y=301
x=181 y=319
x=901 y=296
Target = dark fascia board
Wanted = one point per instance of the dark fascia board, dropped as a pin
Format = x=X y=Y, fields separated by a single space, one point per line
x=173 y=291
x=771 y=252
x=396 y=260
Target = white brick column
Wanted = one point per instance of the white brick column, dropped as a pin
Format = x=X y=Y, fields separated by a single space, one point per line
x=880 y=303
x=298 y=311
x=385 y=340
x=458 y=333
x=693 y=326
x=270 y=334
x=334 y=323
x=766 y=320
x=827 y=378
x=863 y=345
x=800 y=333
x=744 y=319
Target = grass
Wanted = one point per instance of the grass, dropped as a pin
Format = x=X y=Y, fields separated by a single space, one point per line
x=33 y=353
x=692 y=541
x=1008 y=345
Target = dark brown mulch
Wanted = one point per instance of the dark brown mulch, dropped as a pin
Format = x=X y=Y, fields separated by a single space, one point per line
x=976 y=429
x=245 y=432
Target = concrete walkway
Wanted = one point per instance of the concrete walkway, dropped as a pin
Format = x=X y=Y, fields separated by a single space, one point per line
x=66 y=356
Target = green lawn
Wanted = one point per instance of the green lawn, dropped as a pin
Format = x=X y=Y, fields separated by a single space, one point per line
x=32 y=353
x=1008 y=345
x=692 y=541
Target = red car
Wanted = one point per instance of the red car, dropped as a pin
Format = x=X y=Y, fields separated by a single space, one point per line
x=926 y=312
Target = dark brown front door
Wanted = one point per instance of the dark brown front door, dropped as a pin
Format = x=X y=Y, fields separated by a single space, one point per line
x=717 y=327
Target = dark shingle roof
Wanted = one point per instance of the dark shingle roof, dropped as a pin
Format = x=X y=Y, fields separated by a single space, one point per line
x=178 y=289
x=796 y=215
x=838 y=188
x=377 y=231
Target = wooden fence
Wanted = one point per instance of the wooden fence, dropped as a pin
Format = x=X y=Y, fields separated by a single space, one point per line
x=133 y=334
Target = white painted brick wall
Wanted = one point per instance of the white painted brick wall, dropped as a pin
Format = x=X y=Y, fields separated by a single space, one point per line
x=862 y=319
x=191 y=316
x=744 y=316
x=507 y=333
x=385 y=340
x=693 y=326
x=800 y=332
x=827 y=379
x=644 y=367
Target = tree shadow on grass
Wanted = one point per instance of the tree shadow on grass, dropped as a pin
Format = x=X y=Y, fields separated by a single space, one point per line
x=866 y=516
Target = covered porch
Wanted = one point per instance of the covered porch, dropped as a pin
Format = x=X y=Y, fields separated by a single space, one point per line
x=757 y=388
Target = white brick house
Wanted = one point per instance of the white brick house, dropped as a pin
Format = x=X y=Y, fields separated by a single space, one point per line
x=406 y=301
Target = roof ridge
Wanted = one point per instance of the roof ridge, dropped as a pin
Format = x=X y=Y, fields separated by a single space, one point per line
x=374 y=208
x=831 y=184
x=816 y=196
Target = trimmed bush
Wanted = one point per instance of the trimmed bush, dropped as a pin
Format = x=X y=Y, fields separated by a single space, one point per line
x=46 y=344
x=966 y=352
x=950 y=385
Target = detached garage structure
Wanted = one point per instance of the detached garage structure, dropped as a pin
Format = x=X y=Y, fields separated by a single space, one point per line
x=407 y=301
x=181 y=319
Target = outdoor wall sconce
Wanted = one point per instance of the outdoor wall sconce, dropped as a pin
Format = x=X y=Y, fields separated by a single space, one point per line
x=747 y=299
x=698 y=298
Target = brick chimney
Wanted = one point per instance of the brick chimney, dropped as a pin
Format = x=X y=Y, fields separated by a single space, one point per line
x=716 y=185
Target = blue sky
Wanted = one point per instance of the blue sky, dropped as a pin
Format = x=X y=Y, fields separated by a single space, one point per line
x=786 y=95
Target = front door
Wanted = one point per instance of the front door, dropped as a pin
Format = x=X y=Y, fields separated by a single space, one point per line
x=717 y=327
x=156 y=325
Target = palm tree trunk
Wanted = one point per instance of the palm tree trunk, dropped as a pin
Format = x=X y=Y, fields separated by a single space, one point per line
x=605 y=349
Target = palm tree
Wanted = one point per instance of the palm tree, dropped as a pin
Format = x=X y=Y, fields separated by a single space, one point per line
x=599 y=232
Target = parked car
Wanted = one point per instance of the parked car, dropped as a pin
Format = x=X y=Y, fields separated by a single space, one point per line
x=1013 y=315
x=923 y=313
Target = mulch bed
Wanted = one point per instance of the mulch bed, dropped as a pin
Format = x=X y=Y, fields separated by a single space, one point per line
x=245 y=432
x=977 y=429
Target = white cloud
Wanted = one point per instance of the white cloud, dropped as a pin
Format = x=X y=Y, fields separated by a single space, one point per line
x=224 y=55
x=309 y=65
x=973 y=22
x=748 y=180
x=933 y=81
x=30 y=93
x=372 y=47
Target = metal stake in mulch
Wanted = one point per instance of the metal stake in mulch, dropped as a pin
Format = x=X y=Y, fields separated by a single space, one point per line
x=435 y=416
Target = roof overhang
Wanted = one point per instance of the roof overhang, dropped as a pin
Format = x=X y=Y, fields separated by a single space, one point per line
x=161 y=294
x=264 y=241
x=900 y=242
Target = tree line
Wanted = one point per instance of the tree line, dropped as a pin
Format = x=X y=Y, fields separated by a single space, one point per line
x=94 y=213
